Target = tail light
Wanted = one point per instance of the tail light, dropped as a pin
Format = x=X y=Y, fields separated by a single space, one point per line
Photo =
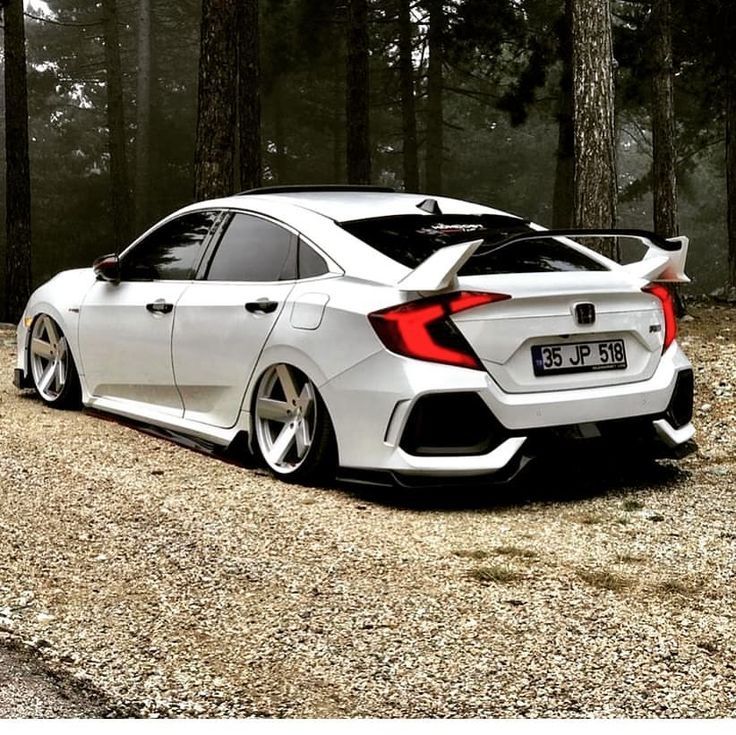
x=668 y=309
x=423 y=330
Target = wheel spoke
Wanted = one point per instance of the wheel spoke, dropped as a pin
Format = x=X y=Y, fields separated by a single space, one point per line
x=283 y=443
x=270 y=409
x=53 y=335
x=287 y=383
x=41 y=348
x=302 y=437
x=59 y=375
x=47 y=377
x=306 y=398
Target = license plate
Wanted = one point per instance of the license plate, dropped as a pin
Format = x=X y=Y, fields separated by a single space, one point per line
x=579 y=357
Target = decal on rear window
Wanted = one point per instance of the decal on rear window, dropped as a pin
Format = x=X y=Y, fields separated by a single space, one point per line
x=411 y=239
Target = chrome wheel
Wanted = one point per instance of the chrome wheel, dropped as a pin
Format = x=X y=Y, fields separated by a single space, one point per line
x=285 y=418
x=50 y=358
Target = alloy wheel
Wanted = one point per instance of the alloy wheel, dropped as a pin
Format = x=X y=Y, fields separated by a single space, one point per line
x=285 y=418
x=50 y=358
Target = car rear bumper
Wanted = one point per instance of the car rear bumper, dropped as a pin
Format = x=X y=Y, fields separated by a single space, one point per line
x=375 y=404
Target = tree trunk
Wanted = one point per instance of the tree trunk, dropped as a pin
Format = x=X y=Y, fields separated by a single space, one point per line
x=564 y=190
x=663 y=122
x=358 y=95
x=143 y=118
x=121 y=203
x=214 y=155
x=593 y=118
x=408 y=112
x=435 y=115
x=18 y=177
x=731 y=179
x=249 y=94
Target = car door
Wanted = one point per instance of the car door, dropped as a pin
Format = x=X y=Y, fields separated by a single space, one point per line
x=125 y=327
x=224 y=319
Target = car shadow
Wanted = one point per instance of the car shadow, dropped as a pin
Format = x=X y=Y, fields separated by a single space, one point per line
x=547 y=480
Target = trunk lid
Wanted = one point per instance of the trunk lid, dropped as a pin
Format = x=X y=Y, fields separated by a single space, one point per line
x=542 y=313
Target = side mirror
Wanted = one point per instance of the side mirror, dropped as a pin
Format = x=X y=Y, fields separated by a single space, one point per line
x=107 y=268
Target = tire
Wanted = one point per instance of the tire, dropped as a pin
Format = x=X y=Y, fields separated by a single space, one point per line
x=52 y=367
x=294 y=436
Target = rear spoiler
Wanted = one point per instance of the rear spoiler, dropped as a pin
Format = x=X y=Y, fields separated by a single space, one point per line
x=664 y=260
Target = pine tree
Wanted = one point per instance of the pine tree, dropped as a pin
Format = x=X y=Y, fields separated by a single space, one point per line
x=214 y=157
x=143 y=168
x=249 y=99
x=18 y=180
x=120 y=187
x=435 y=107
x=563 y=198
x=595 y=148
x=408 y=108
x=663 y=122
x=358 y=94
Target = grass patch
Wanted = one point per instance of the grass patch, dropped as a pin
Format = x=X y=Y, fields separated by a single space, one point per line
x=630 y=559
x=604 y=579
x=494 y=573
x=477 y=554
x=683 y=587
x=516 y=551
x=590 y=519
x=632 y=505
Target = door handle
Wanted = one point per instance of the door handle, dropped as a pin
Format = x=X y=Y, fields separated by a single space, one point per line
x=160 y=307
x=262 y=306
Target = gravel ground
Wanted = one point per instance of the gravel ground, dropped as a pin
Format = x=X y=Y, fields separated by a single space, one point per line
x=173 y=583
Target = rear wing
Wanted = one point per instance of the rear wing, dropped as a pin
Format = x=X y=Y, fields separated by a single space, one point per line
x=664 y=260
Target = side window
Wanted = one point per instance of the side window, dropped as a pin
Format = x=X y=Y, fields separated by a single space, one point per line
x=171 y=252
x=310 y=264
x=254 y=249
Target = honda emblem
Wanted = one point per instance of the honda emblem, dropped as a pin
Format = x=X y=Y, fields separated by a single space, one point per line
x=584 y=313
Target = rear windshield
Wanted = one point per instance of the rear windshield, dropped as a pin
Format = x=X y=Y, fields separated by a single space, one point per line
x=411 y=239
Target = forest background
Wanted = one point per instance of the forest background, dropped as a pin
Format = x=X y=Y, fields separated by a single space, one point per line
x=138 y=107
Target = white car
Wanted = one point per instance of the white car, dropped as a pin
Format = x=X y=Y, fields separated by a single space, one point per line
x=388 y=337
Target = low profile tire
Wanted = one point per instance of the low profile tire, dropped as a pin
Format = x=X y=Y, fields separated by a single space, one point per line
x=53 y=371
x=293 y=431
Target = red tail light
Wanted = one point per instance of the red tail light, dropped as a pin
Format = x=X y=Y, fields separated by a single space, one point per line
x=422 y=329
x=668 y=309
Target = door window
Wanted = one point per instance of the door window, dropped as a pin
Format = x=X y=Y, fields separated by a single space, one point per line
x=254 y=249
x=171 y=252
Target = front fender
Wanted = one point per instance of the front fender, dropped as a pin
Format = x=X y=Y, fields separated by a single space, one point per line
x=61 y=298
